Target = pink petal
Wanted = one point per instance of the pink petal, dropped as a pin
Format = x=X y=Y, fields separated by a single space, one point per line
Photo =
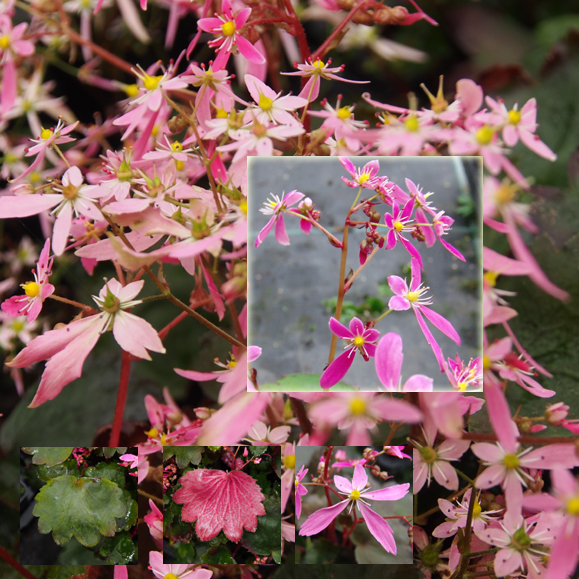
x=8 y=95
x=208 y=24
x=392 y=493
x=453 y=449
x=135 y=335
x=360 y=478
x=398 y=303
x=348 y=165
x=343 y=484
x=26 y=205
x=356 y=327
x=445 y=475
x=66 y=365
x=50 y=343
x=536 y=145
x=280 y=231
x=336 y=370
x=389 y=408
x=388 y=360
x=121 y=570
x=441 y=323
x=379 y=528
x=564 y=482
x=553 y=456
x=418 y=383
x=491 y=476
x=488 y=452
x=507 y=561
x=430 y=338
x=500 y=415
x=319 y=520
x=61 y=229
x=563 y=556
x=249 y=51
x=339 y=329
x=398 y=285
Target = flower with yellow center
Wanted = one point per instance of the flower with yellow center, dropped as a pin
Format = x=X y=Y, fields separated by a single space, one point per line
x=170 y=576
x=484 y=135
x=265 y=103
x=289 y=461
x=31 y=289
x=4 y=41
x=355 y=495
x=411 y=124
x=151 y=82
x=514 y=117
x=357 y=406
x=572 y=506
x=511 y=461
x=228 y=28
x=490 y=278
x=344 y=113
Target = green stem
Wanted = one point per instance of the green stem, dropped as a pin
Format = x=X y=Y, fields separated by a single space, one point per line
x=382 y=316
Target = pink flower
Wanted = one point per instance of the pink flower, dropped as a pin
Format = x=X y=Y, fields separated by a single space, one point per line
x=130 y=459
x=260 y=434
x=565 y=501
x=301 y=490
x=388 y=362
x=358 y=339
x=48 y=137
x=434 y=461
x=154 y=521
x=365 y=177
x=398 y=222
x=35 y=292
x=354 y=489
x=520 y=545
x=358 y=412
x=458 y=515
x=272 y=106
x=463 y=375
x=68 y=347
x=227 y=30
x=406 y=298
x=275 y=207
x=316 y=70
x=520 y=125
x=161 y=571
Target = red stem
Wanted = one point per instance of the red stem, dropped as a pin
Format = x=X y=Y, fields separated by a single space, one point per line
x=327 y=458
x=15 y=564
x=484 y=437
x=321 y=51
x=299 y=32
x=121 y=399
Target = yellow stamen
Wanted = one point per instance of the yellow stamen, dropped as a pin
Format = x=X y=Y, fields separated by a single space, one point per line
x=491 y=277
x=427 y=454
x=155 y=131
x=45 y=134
x=411 y=124
x=265 y=103
x=344 y=113
x=4 y=41
x=170 y=576
x=363 y=178
x=290 y=461
x=511 y=460
x=228 y=28
x=486 y=363
x=31 y=289
x=506 y=193
x=153 y=433
x=358 y=341
x=462 y=386
x=398 y=226
x=243 y=207
x=177 y=147
x=514 y=117
x=221 y=114
x=18 y=326
x=484 y=135
x=164 y=439
x=573 y=506
x=180 y=165
x=357 y=406
x=131 y=90
x=413 y=296
x=318 y=64
x=151 y=82
x=476 y=510
x=355 y=495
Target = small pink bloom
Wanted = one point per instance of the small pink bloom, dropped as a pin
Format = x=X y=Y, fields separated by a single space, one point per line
x=301 y=490
x=161 y=570
x=365 y=177
x=276 y=207
x=35 y=292
x=358 y=338
x=154 y=521
x=357 y=494
x=398 y=222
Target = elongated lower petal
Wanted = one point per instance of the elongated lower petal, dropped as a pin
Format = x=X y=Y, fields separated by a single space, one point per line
x=319 y=520
x=392 y=493
x=430 y=339
x=379 y=528
x=66 y=366
x=336 y=370
x=388 y=360
x=441 y=323
x=26 y=205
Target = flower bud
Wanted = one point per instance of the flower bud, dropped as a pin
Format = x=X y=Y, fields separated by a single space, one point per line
x=556 y=413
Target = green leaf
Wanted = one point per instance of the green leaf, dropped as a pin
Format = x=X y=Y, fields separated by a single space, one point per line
x=322 y=552
x=267 y=537
x=109 y=451
x=302 y=383
x=112 y=472
x=73 y=553
x=47 y=473
x=185 y=552
x=84 y=508
x=50 y=455
x=258 y=450
x=118 y=550
x=132 y=512
x=218 y=556
x=276 y=556
x=183 y=455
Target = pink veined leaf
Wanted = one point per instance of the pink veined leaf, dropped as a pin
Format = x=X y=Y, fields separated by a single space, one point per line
x=217 y=500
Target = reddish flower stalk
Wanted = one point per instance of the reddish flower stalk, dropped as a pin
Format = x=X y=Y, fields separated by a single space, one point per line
x=15 y=564
x=121 y=399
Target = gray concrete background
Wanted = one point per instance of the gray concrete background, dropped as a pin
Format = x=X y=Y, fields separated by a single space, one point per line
x=287 y=284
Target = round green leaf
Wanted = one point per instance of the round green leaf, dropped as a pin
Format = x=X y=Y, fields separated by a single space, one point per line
x=49 y=455
x=84 y=507
x=183 y=455
x=267 y=537
x=118 y=550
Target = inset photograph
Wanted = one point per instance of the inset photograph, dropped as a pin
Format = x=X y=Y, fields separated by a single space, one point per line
x=365 y=274
x=222 y=505
x=78 y=505
x=353 y=505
